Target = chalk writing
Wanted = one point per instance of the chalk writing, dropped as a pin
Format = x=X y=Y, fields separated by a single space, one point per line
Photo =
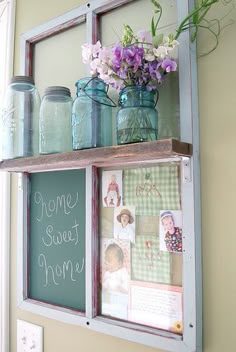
x=56 y=251
x=63 y=203
x=54 y=274
x=55 y=237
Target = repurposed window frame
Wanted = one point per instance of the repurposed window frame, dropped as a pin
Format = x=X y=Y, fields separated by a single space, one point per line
x=190 y=194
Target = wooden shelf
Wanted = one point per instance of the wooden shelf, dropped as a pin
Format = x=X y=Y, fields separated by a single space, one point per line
x=113 y=155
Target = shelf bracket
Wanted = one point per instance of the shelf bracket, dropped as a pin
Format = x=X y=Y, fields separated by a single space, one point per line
x=186 y=170
x=20 y=182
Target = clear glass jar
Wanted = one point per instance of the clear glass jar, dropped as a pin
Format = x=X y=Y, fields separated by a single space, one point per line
x=91 y=115
x=137 y=119
x=20 y=118
x=55 y=121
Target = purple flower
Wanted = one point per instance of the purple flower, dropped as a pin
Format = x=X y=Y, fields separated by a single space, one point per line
x=133 y=55
x=169 y=65
x=117 y=59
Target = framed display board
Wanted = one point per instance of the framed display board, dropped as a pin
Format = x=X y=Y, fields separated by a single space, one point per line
x=141 y=244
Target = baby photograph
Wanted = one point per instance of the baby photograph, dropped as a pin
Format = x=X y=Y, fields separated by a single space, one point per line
x=115 y=277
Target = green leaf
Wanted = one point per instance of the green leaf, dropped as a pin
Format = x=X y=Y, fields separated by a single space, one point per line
x=157 y=40
x=153 y=27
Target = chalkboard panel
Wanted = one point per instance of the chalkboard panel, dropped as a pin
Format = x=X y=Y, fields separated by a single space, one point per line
x=57 y=238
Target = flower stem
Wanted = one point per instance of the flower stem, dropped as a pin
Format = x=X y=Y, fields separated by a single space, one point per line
x=204 y=7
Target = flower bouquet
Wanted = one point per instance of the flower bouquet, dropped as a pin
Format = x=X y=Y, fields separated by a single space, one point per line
x=134 y=61
x=134 y=67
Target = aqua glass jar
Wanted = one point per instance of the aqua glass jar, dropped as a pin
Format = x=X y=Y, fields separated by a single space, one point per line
x=91 y=115
x=20 y=118
x=55 y=121
x=137 y=118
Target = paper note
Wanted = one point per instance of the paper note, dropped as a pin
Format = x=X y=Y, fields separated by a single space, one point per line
x=156 y=305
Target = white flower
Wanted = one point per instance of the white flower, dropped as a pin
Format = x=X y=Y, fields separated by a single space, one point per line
x=174 y=43
x=104 y=77
x=105 y=55
x=166 y=40
x=161 y=52
x=95 y=65
x=149 y=56
x=170 y=43
x=96 y=48
x=90 y=51
x=86 y=53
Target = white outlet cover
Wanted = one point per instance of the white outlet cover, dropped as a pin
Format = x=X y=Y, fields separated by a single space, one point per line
x=29 y=337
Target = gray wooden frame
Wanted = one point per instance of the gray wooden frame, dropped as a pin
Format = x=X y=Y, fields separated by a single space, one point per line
x=190 y=195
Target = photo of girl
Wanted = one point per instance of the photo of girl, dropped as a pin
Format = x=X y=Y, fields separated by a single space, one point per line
x=170 y=231
x=124 y=224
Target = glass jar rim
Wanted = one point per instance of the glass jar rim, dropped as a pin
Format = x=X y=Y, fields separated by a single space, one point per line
x=138 y=88
x=57 y=90
x=86 y=83
x=22 y=79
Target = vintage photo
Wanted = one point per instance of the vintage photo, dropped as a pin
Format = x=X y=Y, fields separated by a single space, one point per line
x=115 y=277
x=124 y=223
x=171 y=231
x=112 y=188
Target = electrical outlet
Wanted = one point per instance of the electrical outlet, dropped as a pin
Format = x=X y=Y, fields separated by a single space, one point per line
x=29 y=337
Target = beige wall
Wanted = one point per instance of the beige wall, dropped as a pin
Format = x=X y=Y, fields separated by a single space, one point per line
x=217 y=101
x=217 y=97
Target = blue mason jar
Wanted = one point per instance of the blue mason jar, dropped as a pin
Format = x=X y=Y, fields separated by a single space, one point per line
x=91 y=115
x=137 y=118
x=20 y=119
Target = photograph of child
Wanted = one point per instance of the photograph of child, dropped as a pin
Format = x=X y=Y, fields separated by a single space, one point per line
x=124 y=224
x=171 y=231
x=112 y=188
x=116 y=277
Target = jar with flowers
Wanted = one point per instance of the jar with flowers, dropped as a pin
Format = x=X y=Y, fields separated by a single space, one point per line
x=135 y=68
x=139 y=63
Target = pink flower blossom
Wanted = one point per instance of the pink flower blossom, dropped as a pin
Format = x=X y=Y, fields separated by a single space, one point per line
x=144 y=36
x=169 y=65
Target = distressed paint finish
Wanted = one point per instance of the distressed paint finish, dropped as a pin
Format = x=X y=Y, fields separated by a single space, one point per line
x=137 y=152
x=89 y=12
x=95 y=242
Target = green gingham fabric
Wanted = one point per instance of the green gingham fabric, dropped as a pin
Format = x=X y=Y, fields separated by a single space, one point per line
x=148 y=262
x=151 y=189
